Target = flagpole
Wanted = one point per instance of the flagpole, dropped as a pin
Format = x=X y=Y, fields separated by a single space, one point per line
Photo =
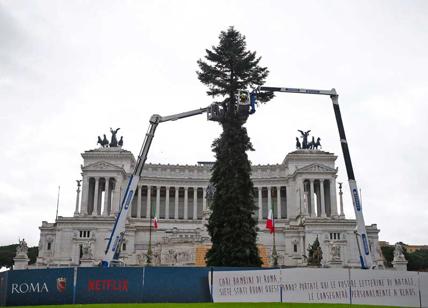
x=274 y=252
x=149 y=250
x=57 y=204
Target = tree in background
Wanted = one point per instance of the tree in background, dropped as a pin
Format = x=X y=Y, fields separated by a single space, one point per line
x=229 y=67
x=7 y=253
x=418 y=260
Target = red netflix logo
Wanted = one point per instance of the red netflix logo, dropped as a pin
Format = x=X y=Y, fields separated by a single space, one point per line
x=100 y=285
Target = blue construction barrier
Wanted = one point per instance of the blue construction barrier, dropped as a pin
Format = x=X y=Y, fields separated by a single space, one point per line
x=176 y=284
x=109 y=285
x=40 y=287
x=3 y=288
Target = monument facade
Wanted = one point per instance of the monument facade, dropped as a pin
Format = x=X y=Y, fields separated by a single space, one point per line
x=302 y=190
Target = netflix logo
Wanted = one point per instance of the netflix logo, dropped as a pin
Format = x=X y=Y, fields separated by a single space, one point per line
x=101 y=285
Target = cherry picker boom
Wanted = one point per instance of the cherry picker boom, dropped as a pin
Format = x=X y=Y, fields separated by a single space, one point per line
x=245 y=105
x=114 y=243
x=366 y=258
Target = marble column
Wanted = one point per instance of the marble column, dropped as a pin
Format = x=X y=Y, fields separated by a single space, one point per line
x=342 y=213
x=76 y=211
x=97 y=188
x=204 y=198
x=129 y=213
x=106 y=195
x=167 y=202
x=149 y=201
x=270 y=200
x=186 y=199
x=85 y=196
x=260 y=203
x=158 y=201
x=322 y=198
x=278 y=201
x=195 y=203
x=311 y=197
x=116 y=197
x=139 y=201
x=176 y=202
x=333 y=199
x=110 y=199
x=304 y=198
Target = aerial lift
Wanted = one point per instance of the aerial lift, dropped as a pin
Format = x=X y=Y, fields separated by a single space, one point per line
x=244 y=106
x=117 y=235
x=366 y=258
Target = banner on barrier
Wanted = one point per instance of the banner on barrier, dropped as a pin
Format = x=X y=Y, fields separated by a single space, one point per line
x=3 y=288
x=246 y=286
x=423 y=287
x=40 y=287
x=380 y=287
x=109 y=285
x=308 y=285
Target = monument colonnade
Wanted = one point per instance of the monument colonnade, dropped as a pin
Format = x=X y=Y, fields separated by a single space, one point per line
x=101 y=196
x=318 y=196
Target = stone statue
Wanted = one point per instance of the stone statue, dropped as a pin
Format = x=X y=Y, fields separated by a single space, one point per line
x=210 y=192
x=318 y=255
x=87 y=252
x=335 y=252
x=157 y=258
x=103 y=142
x=315 y=253
x=398 y=252
x=120 y=143
x=20 y=261
x=298 y=145
x=113 y=142
x=141 y=259
x=22 y=248
x=305 y=136
x=311 y=144
x=305 y=144
x=317 y=144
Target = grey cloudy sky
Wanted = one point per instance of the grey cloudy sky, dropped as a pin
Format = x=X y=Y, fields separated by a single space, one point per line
x=70 y=70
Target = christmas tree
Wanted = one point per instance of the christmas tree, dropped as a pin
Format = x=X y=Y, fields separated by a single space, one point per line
x=229 y=67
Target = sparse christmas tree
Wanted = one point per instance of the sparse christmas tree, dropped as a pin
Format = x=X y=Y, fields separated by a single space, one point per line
x=315 y=253
x=229 y=67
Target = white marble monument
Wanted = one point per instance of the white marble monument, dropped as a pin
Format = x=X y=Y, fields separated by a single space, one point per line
x=302 y=188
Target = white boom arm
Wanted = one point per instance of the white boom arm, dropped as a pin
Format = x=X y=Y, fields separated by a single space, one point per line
x=113 y=246
x=366 y=258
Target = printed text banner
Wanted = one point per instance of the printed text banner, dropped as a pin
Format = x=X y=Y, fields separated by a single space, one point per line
x=423 y=278
x=383 y=287
x=246 y=286
x=40 y=287
x=307 y=285
x=109 y=285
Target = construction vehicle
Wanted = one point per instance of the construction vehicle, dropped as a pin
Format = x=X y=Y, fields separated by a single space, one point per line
x=117 y=235
x=244 y=106
x=366 y=258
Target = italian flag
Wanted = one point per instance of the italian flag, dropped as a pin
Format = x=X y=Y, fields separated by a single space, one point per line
x=155 y=220
x=270 y=223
